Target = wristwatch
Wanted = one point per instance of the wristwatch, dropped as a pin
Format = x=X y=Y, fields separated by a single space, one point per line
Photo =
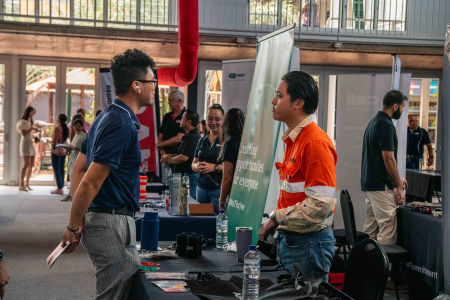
x=1 y=255
x=273 y=217
x=217 y=168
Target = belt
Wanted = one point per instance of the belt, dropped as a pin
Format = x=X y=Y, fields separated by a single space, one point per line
x=112 y=211
x=414 y=156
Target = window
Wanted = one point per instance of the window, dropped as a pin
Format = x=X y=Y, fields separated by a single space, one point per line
x=392 y=15
x=360 y=14
x=263 y=12
x=213 y=88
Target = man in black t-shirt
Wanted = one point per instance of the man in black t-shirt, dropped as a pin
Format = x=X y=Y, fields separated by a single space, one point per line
x=417 y=138
x=380 y=181
x=171 y=133
x=182 y=160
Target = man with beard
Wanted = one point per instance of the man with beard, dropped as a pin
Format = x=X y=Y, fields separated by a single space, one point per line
x=380 y=181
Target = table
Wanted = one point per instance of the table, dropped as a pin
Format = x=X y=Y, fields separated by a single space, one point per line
x=220 y=263
x=423 y=184
x=171 y=225
x=421 y=235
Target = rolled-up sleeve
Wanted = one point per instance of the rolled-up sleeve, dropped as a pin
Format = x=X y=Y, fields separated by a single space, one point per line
x=112 y=143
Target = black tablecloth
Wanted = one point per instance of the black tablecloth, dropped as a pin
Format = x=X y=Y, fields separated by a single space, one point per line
x=421 y=235
x=423 y=184
x=220 y=263
x=171 y=225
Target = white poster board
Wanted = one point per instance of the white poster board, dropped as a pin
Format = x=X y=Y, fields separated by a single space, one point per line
x=237 y=81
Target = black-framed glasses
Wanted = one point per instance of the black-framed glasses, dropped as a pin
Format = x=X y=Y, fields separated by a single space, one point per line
x=153 y=81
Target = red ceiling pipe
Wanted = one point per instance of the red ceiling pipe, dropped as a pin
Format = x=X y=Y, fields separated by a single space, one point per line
x=184 y=74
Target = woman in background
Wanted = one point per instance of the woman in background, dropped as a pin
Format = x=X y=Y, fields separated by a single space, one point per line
x=232 y=133
x=206 y=160
x=26 y=128
x=202 y=128
x=75 y=147
x=60 y=135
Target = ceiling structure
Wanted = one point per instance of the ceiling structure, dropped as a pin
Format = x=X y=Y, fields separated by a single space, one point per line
x=104 y=43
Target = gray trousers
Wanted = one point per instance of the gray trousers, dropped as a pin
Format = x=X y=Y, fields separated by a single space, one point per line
x=110 y=241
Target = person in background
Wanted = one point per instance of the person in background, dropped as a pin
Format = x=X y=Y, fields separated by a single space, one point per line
x=206 y=160
x=26 y=128
x=182 y=160
x=75 y=147
x=78 y=115
x=380 y=180
x=4 y=276
x=60 y=135
x=305 y=13
x=171 y=133
x=202 y=128
x=307 y=183
x=417 y=138
x=105 y=180
x=97 y=113
x=233 y=126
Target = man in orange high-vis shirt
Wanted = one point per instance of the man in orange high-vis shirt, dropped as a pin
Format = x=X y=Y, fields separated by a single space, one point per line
x=307 y=182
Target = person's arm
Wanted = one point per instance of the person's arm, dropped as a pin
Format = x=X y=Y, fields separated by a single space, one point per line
x=87 y=189
x=171 y=142
x=25 y=132
x=162 y=152
x=391 y=167
x=178 y=159
x=72 y=135
x=195 y=165
x=4 y=278
x=227 y=182
x=430 y=155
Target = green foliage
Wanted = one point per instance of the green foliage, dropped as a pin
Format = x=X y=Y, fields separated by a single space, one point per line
x=36 y=73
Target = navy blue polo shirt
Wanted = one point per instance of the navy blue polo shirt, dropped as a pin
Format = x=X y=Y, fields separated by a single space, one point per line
x=113 y=141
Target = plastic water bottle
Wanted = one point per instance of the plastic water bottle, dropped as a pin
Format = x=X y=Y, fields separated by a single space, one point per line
x=252 y=266
x=185 y=180
x=421 y=165
x=168 y=173
x=222 y=230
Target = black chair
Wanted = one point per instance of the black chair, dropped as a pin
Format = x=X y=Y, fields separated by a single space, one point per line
x=397 y=255
x=367 y=271
x=341 y=236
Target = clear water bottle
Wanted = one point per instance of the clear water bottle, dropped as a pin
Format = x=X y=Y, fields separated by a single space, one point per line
x=252 y=266
x=421 y=166
x=185 y=180
x=168 y=173
x=222 y=230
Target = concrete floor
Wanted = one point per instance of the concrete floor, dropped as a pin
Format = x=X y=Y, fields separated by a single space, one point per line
x=31 y=226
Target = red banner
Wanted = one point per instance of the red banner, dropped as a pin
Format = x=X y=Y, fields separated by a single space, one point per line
x=147 y=138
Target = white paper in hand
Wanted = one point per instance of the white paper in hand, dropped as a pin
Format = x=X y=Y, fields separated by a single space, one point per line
x=51 y=259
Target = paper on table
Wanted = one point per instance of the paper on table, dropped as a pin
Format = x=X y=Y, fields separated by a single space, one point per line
x=51 y=259
x=171 y=286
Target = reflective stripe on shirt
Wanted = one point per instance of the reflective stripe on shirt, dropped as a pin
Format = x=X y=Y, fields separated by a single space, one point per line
x=292 y=187
x=324 y=191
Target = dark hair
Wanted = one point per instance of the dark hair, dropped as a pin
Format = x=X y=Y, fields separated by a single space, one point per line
x=80 y=110
x=192 y=116
x=98 y=112
x=77 y=117
x=128 y=67
x=217 y=106
x=78 y=121
x=26 y=114
x=204 y=126
x=301 y=85
x=63 y=119
x=393 y=97
x=233 y=124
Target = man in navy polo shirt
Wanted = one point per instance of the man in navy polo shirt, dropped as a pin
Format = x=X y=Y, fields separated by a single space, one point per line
x=105 y=179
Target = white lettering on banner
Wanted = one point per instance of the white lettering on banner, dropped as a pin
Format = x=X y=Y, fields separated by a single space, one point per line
x=249 y=183
x=108 y=93
x=248 y=165
x=422 y=270
x=236 y=204
x=248 y=150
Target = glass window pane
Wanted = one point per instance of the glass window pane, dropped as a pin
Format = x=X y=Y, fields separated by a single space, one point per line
x=80 y=92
